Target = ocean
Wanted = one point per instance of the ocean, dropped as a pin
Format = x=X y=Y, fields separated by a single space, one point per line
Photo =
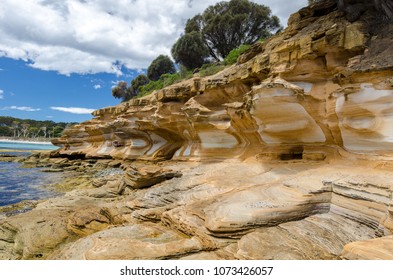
x=25 y=146
x=18 y=184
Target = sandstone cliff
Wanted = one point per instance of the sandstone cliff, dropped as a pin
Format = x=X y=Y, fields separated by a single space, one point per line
x=323 y=82
x=285 y=155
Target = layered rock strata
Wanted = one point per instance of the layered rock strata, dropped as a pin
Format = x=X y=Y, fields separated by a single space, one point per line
x=285 y=155
x=310 y=88
x=224 y=210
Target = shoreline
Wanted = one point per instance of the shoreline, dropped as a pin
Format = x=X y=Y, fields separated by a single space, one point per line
x=26 y=141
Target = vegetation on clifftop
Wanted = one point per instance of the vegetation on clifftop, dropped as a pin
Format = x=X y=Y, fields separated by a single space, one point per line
x=212 y=40
x=228 y=25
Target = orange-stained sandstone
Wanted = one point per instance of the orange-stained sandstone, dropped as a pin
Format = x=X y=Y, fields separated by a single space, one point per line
x=285 y=155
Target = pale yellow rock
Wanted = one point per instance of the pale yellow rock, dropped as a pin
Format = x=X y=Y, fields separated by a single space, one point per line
x=315 y=102
x=135 y=242
x=373 y=249
x=285 y=155
x=33 y=235
x=263 y=206
x=316 y=237
x=355 y=36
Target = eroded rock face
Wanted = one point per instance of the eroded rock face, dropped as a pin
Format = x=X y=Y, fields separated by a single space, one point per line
x=285 y=155
x=365 y=119
x=311 y=86
x=320 y=91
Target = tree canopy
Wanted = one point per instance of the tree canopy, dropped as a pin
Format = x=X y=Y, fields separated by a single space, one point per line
x=159 y=66
x=125 y=92
x=137 y=83
x=122 y=91
x=190 y=50
x=212 y=35
x=227 y=25
x=26 y=128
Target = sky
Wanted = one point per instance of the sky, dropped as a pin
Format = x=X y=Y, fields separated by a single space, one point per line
x=60 y=59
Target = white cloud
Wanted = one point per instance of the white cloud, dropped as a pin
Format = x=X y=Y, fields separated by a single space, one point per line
x=20 y=108
x=73 y=110
x=97 y=86
x=1 y=94
x=76 y=36
x=115 y=83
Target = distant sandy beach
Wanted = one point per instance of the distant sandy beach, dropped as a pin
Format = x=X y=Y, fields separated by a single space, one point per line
x=8 y=140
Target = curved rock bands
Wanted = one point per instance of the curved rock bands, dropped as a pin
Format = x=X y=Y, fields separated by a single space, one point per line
x=274 y=113
x=221 y=209
x=314 y=85
x=285 y=155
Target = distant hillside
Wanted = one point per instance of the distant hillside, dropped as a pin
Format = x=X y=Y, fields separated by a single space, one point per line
x=20 y=128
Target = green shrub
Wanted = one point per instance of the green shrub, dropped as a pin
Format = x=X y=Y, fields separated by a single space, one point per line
x=164 y=81
x=169 y=79
x=138 y=82
x=185 y=73
x=150 y=87
x=234 y=54
x=210 y=69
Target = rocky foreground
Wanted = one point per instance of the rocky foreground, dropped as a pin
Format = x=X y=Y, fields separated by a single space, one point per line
x=285 y=155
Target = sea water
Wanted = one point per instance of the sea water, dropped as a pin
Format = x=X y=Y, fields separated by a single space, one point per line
x=8 y=145
x=17 y=183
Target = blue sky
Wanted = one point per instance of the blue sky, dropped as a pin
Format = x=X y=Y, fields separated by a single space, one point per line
x=32 y=93
x=60 y=59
